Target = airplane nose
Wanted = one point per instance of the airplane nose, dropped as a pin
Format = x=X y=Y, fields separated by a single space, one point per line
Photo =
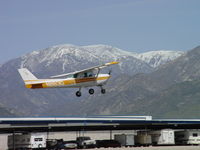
x=104 y=79
x=108 y=76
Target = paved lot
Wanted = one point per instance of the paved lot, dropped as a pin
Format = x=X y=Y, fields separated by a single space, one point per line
x=154 y=148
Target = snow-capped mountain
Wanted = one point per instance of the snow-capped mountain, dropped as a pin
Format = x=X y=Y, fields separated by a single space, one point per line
x=157 y=58
x=63 y=59
x=69 y=58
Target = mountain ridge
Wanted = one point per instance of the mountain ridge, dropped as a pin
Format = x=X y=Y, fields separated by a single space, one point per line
x=98 y=53
x=170 y=91
x=62 y=59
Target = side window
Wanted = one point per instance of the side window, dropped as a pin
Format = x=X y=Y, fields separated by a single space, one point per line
x=85 y=74
x=75 y=75
x=80 y=75
x=195 y=134
x=90 y=74
x=37 y=139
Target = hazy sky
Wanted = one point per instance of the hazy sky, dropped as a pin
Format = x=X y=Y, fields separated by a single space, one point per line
x=133 y=25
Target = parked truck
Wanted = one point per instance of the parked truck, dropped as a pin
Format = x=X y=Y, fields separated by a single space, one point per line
x=27 y=141
x=125 y=139
x=187 y=137
x=162 y=137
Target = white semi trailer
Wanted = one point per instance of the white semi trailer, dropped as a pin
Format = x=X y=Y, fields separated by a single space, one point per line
x=24 y=141
x=163 y=137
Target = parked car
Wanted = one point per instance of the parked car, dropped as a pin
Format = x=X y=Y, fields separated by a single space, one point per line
x=68 y=145
x=85 y=142
x=107 y=143
x=53 y=144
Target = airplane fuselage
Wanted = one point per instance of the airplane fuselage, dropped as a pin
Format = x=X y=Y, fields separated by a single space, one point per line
x=79 y=79
x=100 y=80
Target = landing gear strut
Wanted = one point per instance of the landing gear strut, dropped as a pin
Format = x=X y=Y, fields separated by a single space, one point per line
x=91 y=91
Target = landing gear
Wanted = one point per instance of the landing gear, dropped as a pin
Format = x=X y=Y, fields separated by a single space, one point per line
x=103 y=91
x=78 y=93
x=91 y=91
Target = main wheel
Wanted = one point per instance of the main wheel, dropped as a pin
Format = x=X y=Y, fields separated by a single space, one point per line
x=91 y=91
x=78 y=93
x=103 y=91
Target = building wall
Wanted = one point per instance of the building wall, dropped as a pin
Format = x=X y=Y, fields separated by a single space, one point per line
x=3 y=141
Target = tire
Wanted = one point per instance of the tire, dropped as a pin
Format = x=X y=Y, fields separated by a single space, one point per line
x=40 y=145
x=78 y=93
x=91 y=91
x=103 y=91
x=84 y=146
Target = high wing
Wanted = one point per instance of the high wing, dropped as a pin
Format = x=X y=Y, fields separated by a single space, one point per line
x=86 y=70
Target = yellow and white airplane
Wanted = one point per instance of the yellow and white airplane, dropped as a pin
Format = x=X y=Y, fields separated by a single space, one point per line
x=79 y=79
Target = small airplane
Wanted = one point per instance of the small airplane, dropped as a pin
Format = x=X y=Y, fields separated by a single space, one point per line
x=79 y=79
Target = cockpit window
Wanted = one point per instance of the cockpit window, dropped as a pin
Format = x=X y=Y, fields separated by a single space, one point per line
x=90 y=74
x=84 y=75
x=75 y=75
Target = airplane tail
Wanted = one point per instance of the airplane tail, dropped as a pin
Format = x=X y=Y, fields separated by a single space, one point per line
x=26 y=74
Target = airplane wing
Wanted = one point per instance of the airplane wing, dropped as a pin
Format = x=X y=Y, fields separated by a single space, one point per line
x=88 y=69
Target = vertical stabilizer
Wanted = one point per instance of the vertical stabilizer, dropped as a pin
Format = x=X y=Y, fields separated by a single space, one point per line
x=26 y=74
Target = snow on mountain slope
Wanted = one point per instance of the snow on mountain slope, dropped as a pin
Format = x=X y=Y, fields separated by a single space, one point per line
x=157 y=58
x=63 y=59
x=67 y=58
x=108 y=51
